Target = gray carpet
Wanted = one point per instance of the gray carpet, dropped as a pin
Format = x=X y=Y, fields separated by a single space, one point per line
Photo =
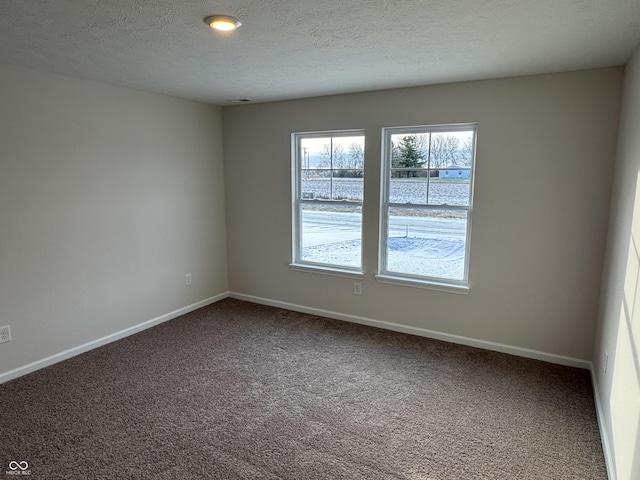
x=237 y=390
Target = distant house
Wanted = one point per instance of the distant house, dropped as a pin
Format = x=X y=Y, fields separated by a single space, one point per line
x=454 y=171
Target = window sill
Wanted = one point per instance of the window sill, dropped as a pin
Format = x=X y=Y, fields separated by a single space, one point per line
x=332 y=271
x=427 y=285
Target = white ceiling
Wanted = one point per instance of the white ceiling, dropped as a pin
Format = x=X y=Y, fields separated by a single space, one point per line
x=301 y=48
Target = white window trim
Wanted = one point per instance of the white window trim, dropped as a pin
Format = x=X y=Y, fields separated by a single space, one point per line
x=297 y=264
x=323 y=269
x=420 y=282
x=410 y=280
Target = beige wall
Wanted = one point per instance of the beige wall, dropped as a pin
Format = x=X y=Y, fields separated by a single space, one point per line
x=108 y=197
x=544 y=167
x=618 y=336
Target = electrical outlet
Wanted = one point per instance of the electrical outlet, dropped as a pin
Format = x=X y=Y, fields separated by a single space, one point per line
x=5 y=334
x=357 y=288
x=187 y=279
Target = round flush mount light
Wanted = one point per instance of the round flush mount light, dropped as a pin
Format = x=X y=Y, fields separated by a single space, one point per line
x=223 y=23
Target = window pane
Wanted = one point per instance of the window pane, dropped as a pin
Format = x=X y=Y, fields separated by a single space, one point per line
x=348 y=185
x=314 y=152
x=348 y=152
x=451 y=187
x=450 y=156
x=344 y=185
x=451 y=149
x=407 y=186
x=316 y=184
x=427 y=242
x=331 y=234
x=410 y=150
x=332 y=152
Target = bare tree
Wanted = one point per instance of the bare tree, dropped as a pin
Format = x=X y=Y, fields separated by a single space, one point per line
x=356 y=155
x=343 y=164
x=444 y=150
x=466 y=152
x=356 y=159
x=333 y=158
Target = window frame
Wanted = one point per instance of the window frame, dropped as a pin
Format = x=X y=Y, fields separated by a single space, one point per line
x=297 y=263
x=385 y=275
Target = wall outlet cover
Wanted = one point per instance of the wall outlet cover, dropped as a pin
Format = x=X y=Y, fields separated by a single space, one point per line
x=5 y=334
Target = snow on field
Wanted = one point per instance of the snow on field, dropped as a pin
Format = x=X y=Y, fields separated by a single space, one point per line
x=440 y=192
x=450 y=192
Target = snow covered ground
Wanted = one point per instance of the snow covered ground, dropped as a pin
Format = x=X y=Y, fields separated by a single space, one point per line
x=432 y=257
x=407 y=190
x=421 y=256
x=432 y=246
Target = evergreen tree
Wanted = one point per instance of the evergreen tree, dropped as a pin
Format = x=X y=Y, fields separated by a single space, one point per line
x=408 y=154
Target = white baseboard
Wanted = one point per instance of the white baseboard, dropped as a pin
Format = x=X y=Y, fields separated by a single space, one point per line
x=604 y=435
x=447 y=337
x=72 y=352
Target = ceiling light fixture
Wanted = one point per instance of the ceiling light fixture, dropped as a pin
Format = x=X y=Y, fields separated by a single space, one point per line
x=223 y=23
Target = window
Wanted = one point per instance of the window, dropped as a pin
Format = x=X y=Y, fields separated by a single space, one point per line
x=427 y=193
x=328 y=191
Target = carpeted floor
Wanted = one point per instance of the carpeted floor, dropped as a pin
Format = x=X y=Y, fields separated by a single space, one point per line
x=237 y=390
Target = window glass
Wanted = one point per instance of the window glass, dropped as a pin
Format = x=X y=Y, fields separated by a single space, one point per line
x=328 y=195
x=331 y=234
x=427 y=242
x=426 y=202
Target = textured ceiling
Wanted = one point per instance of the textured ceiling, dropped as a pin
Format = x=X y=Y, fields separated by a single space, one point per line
x=301 y=48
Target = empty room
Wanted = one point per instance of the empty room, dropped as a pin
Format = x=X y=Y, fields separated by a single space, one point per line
x=320 y=239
